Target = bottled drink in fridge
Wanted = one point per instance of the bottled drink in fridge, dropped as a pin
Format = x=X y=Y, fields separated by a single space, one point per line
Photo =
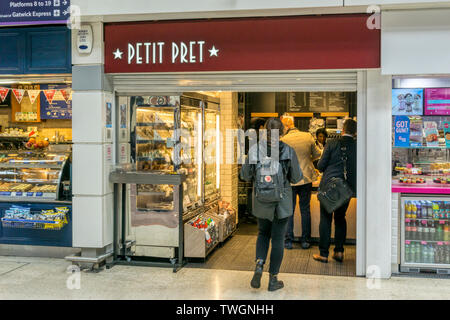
x=447 y=254
x=443 y=210
x=423 y=253
x=435 y=210
x=425 y=230
x=407 y=229
x=430 y=210
x=407 y=209
x=414 y=253
x=447 y=231
x=432 y=230
x=407 y=251
x=440 y=230
x=418 y=209
x=431 y=253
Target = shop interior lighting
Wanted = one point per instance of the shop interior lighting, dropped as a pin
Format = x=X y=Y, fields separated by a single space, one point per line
x=199 y=153
x=218 y=151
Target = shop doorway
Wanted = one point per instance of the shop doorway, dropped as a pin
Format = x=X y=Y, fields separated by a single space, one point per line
x=237 y=252
x=311 y=111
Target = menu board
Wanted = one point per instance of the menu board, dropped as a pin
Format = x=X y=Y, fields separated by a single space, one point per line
x=298 y=102
x=437 y=101
x=407 y=102
x=337 y=101
x=317 y=101
x=58 y=108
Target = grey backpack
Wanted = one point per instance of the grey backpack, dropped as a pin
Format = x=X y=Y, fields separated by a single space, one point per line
x=270 y=177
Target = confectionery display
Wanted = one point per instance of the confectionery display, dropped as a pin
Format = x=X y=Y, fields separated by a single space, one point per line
x=23 y=217
x=208 y=226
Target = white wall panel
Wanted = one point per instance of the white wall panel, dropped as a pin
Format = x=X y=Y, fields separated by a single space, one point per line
x=378 y=173
x=89 y=115
x=91 y=168
x=92 y=223
x=415 y=42
x=120 y=7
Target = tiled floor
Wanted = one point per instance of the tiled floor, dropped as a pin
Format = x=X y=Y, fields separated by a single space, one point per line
x=40 y=278
x=238 y=253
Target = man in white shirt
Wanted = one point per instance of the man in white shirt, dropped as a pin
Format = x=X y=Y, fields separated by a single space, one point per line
x=307 y=152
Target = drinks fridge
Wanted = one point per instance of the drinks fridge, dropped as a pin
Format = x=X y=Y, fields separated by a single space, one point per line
x=425 y=234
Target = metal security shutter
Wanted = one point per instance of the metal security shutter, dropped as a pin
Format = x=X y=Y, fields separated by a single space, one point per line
x=236 y=81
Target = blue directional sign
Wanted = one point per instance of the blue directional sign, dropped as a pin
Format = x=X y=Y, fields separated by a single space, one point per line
x=28 y=12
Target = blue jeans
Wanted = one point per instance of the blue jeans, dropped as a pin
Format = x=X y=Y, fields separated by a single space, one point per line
x=304 y=193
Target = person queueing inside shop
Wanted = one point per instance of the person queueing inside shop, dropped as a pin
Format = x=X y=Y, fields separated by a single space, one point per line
x=332 y=165
x=271 y=175
x=321 y=141
x=307 y=151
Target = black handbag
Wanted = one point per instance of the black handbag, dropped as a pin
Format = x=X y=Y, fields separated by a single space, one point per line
x=337 y=191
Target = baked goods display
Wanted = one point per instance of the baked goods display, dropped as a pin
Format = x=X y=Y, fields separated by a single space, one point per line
x=411 y=180
x=44 y=188
x=441 y=180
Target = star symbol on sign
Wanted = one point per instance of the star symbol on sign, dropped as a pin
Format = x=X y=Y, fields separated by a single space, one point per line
x=213 y=51
x=117 y=54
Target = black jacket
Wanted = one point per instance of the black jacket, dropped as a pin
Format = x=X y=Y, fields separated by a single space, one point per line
x=331 y=164
x=282 y=209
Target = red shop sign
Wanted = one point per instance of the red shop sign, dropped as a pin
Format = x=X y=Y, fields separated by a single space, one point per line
x=286 y=43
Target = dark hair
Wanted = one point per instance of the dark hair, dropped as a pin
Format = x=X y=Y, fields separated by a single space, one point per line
x=322 y=131
x=256 y=123
x=273 y=124
x=350 y=126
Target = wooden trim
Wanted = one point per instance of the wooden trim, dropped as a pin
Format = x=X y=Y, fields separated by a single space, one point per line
x=300 y=114
x=264 y=114
x=334 y=114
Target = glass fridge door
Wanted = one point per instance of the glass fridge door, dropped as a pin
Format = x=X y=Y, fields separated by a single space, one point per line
x=426 y=232
x=191 y=154
x=211 y=152
x=154 y=148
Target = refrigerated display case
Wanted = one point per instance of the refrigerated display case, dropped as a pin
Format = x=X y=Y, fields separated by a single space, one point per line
x=425 y=233
x=167 y=137
x=32 y=175
x=35 y=207
x=212 y=149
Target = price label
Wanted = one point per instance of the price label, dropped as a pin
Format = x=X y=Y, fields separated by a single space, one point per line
x=441 y=222
x=19 y=194
x=30 y=194
x=440 y=243
x=408 y=242
x=5 y=193
x=39 y=194
x=423 y=242
x=407 y=220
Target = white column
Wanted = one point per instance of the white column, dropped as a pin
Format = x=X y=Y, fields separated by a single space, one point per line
x=93 y=152
x=378 y=175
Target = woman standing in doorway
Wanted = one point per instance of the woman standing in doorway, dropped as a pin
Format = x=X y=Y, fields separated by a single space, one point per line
x=272 y=203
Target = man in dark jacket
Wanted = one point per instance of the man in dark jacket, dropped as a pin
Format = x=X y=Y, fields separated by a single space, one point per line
x=331 y=165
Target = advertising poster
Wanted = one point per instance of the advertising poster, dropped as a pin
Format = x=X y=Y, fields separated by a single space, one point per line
x=401 y=125
x=437 y=101
x=415 y=132
x=123 y=116
x=53 y=103
x=108 y=115
x=447 y=133
x=431 y=133
x=407 y=102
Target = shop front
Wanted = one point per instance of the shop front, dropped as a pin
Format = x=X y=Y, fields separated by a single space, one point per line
x=35 y=140
x=419 y=109
x=167 y=75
